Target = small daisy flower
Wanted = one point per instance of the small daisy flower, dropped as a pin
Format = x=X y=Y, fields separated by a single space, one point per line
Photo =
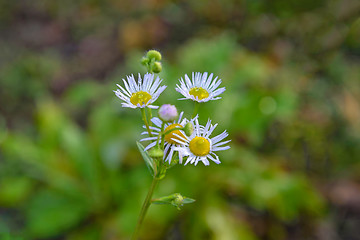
x=170 y=142
x=141 y=94
x=201 y=88
x=199 y=146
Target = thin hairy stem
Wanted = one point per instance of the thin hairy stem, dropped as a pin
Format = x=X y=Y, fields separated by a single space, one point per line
x=171 y=130
x=145 y=208
x=150 y=116
x=143 y=114
x=196 y=108
x=160 y=134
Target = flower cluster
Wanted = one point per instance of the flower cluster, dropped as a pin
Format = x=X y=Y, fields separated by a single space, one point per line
x=174 y=134
x=173 y=137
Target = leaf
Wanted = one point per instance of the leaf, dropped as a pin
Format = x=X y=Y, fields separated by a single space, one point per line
x=50 y=213
x=148 y=160
x=14 y=190
x=188 y=200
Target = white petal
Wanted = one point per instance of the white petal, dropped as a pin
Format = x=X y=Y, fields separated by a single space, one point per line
x=221 y=143
x=148 y=139
x=150 y=146
x=221 y=148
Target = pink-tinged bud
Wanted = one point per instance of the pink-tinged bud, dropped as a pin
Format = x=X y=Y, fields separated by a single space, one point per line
x=168 y=113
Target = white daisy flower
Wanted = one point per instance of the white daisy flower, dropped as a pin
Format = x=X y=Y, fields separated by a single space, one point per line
x=140 y=94
x=199 y=146
x=201 y=88
x=170 y=142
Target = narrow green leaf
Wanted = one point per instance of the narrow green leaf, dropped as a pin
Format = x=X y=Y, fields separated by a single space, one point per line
x=188 y=200
x=148 y=160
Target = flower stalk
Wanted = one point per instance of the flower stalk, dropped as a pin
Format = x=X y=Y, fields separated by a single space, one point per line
x=171 y=130
x=143 y=114
x=160 y=134
x=196 y=109
x=150 y=116
x=145 y=208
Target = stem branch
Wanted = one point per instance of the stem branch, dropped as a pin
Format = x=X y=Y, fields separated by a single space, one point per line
x=171 y=130
x=160 y=134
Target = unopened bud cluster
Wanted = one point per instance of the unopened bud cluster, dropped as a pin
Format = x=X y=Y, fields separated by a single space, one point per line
x=178 y=200
x=152 y=61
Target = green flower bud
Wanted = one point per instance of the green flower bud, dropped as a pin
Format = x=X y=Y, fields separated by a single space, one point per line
x=189 y=129
x=154 y=54
x=178 y=200
x=156 y=152
x=145 y=61
x=156 y=67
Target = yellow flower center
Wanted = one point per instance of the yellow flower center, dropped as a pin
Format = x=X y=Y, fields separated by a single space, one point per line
x=168 y=137
x=199 y=92
x=140 y=98
x=199 y=146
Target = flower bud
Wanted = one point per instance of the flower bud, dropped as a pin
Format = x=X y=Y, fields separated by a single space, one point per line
x=156 y=152
x=156 y=67
x=178 y=200
x=145 y=61
x=189 y=129
x=154 y=54
x=168 y=113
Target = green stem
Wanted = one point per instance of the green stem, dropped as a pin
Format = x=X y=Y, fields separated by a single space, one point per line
x=144 y=208
x=160 y=133
x=150 y=65
x=162 y=141
x=143 y=114
x=171 y=130
x=150 y=116
x=163 y=134
x=196 y=109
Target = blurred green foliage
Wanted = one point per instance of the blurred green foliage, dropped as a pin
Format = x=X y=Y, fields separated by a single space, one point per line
x=69 y=164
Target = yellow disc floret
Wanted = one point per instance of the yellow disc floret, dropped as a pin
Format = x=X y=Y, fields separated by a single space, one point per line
x=199 y=92
x=199 y=146
x=140 y=98
x=168 y=137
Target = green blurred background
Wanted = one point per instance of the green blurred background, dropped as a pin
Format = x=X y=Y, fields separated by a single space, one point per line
x=69 y=166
